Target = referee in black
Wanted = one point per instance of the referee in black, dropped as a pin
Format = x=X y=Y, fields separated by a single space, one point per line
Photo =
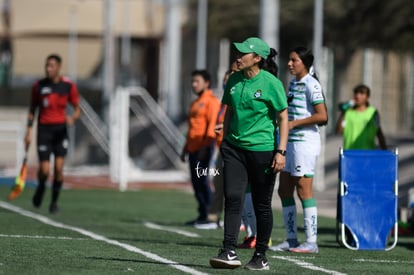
x=50 y=97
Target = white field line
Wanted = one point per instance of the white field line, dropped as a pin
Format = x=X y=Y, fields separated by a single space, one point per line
x=170 y=229
x=42 y=237
x=307 y=265
x=383 y=261
x=94 y=236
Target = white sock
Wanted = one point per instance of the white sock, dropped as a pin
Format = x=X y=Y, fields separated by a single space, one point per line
x=310 y=219
x=289 y=217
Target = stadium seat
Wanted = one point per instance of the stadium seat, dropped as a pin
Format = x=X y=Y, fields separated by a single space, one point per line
x=368 y=199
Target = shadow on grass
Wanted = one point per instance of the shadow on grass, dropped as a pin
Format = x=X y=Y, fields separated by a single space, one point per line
x=146 y=262
x=167 y=242
x=180 y=224
x=406 y=242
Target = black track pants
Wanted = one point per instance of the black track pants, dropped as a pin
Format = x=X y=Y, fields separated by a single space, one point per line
x=242 y=167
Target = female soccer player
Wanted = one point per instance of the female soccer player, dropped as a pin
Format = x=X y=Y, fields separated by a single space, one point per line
x=306 y=110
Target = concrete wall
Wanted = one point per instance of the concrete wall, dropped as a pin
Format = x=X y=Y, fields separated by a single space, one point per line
x=388 y=74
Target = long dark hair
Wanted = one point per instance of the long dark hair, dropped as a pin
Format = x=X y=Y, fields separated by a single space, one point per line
x=307 y=58
x=269 y=63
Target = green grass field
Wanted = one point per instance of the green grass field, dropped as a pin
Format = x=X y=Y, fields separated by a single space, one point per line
x=142 y=232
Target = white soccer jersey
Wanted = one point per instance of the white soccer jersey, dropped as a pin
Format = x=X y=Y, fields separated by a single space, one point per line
x=302 y=96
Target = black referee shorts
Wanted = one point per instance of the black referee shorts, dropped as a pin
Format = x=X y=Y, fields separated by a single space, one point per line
x=52 y=139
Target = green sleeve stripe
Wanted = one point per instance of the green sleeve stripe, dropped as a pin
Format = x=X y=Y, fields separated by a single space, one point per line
x=317 y=102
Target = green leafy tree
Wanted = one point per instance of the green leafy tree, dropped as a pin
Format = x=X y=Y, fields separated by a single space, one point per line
x=383 y=24
x=348 y=24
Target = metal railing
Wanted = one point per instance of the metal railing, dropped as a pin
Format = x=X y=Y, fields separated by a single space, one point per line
x=148 y=107
x=142 y=105
x=94 y=124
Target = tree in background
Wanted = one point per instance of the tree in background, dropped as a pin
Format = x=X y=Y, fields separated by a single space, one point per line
x=348 y=24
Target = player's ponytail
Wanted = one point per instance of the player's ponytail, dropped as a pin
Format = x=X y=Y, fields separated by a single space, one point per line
x=269 y=63
x=313 y=73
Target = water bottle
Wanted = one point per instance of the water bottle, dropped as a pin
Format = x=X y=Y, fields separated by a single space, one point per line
x=346 y=105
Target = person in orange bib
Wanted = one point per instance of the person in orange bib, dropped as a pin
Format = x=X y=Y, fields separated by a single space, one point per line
x=200 y=142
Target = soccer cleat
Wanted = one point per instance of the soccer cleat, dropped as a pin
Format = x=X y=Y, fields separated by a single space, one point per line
x=38 y=196
x=258 y=262
x=285 y=246
x=226 y=259
x=53 y=208
x=306 y=248
x=206 y=225
x=249 y=242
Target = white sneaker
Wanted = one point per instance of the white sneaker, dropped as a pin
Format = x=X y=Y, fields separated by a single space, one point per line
x=206 y=225
x=306 y=248
x=285 y=246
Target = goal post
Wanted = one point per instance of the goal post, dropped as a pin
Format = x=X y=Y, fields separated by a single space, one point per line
x=11 y=145
x=118 y=141
x=136 y=103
